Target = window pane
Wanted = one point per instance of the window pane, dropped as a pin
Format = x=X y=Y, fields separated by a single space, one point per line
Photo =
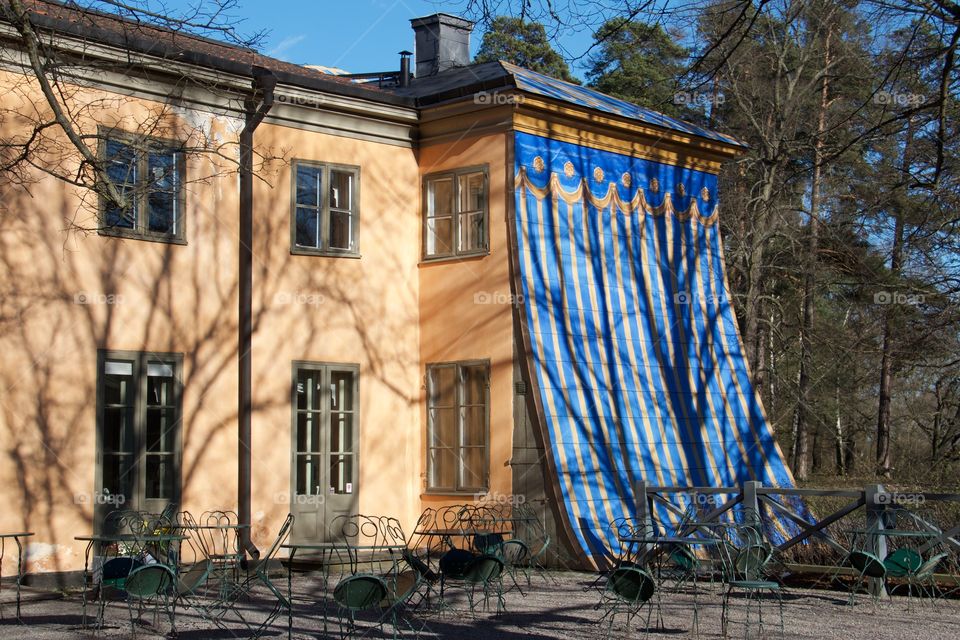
x=341 y=432
x=308 y=389
x=474 y=384
x=471 y=232
x=341 y=473
x=125 y=217
x=121 y=162
x=341 y=190
x=474 y=425
x=341 y=391
x=340 y=231
x=308 y=432
x=116 y=475
x=117 y=386
x=442 y=390
x=440 y=197
x=162 y=208
x=161 y=429
x=308 y=185
x=117 y=429
x=472 y=470
x=471 y=192
x=443 y=469
x=308 y=227
x=160 y=472
x=444 y=428
x=160 y=386
x=308 y=475
x=439 y=236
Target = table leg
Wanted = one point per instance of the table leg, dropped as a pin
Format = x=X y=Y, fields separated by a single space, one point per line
x=293 y=552
x=19 y=574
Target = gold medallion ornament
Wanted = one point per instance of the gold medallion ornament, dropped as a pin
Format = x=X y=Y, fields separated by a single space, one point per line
x=598 y=174
x=681 y=190
x=625 y=180
x=568 y=169
x=654 y=185
x=538 y=164
x=705 y=194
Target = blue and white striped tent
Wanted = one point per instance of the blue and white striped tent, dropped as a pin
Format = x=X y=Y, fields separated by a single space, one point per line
x=632 y=341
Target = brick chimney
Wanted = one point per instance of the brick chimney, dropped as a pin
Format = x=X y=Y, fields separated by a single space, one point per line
x=442 y=42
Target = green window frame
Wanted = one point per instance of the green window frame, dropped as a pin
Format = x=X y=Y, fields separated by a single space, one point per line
x=139 y=424
x=458 y=426
x=456 y=213
x=325 y=400
x=150 y=172
x=325 y=209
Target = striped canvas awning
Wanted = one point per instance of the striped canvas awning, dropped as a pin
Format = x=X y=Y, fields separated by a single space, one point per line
x=632 y=340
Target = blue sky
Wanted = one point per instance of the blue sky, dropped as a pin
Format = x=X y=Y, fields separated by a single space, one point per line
x=356 y=35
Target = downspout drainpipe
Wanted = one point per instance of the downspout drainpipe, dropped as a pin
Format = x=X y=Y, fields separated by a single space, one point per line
x=263 y=84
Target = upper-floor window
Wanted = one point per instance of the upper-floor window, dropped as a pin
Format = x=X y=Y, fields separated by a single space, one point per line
x=455 y=220
x=148 y=173
x=326 y=208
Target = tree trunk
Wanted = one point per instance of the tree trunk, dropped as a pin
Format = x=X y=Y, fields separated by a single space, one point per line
x=802 y=421
x=884 y=465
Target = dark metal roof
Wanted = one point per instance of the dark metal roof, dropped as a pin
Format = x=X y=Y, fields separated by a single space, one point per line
x=178 y=46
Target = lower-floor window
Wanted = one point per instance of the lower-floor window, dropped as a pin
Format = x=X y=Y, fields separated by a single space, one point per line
x=458 y=399
x=325 y=409
x=139 y=413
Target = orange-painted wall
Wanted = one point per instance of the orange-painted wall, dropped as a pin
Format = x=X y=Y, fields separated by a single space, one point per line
x=65 y=293
x=465 y=311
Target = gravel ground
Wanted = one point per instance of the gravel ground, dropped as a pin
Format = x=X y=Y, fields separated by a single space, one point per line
x=556 y=607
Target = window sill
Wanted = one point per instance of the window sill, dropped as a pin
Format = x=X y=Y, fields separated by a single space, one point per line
x=301 y=251
x=146 y=237
x=434 y=493
x=461 y=257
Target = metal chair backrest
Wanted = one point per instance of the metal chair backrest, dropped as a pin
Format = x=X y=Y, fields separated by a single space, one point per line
x=929 y=566
x=360 y=592
x=631 y=584
x=483 y=569
x=149 y=580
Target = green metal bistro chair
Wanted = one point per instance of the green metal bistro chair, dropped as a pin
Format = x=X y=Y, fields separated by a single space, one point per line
x=484 y=574
x=747 y=562
x=354 y=594
x=867 y=566
x=256 y=576
x=150 y=583
x=626 y=591
x=902 y=562
x=923 y=578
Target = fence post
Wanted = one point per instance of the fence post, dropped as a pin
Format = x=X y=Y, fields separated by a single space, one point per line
x=640 y=500
x=876 y=499
x=749 y=492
